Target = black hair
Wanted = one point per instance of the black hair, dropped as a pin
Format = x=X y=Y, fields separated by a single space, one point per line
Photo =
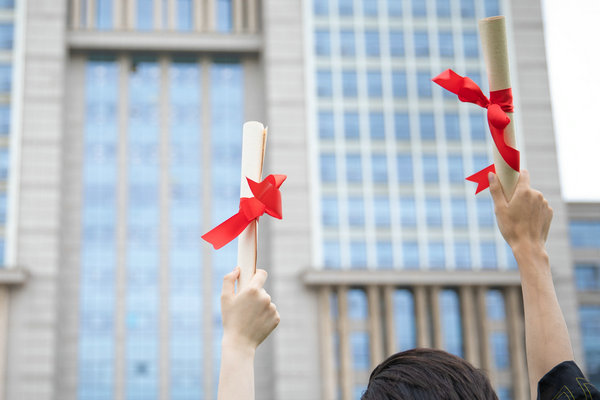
x=427 y=374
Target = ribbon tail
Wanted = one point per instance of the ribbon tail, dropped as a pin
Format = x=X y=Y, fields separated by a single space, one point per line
x=226 y=231
x=481 y=178
x=510 y=155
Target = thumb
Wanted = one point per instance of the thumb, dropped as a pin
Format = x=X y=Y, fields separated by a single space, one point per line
x=229 y=282
x=496 y=190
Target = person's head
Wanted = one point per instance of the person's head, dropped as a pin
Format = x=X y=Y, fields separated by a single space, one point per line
x=427 y=374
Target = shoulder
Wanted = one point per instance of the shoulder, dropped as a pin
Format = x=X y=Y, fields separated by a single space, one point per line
x=566 y=382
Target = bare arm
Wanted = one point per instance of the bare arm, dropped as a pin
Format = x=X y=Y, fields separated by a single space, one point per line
x=248 y=318
x=524 y=222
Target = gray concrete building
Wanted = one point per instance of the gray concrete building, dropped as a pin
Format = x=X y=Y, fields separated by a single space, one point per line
x=125 y=147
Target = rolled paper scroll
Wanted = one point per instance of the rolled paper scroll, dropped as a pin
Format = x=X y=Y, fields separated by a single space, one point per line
x=253 y=154
x=492 y=31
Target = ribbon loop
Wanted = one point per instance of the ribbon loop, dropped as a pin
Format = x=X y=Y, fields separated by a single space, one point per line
x=499 y=103
x=267 y=199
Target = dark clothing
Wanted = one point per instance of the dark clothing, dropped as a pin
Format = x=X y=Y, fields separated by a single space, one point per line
x=566 y=382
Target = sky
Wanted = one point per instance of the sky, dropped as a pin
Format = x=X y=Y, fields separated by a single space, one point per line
x=573 y=51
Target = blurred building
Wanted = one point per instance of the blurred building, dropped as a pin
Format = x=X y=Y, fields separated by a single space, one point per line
x=125 y=148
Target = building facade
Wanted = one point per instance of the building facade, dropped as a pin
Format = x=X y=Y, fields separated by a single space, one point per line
x=127 y=148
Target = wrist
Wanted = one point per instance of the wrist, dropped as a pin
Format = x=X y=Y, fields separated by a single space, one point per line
x=238 y=344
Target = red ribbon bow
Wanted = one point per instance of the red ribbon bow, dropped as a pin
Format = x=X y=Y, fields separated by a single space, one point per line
x=499 y=103
x=267 y=199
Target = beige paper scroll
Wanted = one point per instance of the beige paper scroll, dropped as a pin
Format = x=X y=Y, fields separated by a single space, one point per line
x=253 y=153
x=492 y=31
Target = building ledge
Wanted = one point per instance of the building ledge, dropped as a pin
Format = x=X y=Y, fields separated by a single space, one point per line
x=164 y=41
x=12 y=276
x=314 y=277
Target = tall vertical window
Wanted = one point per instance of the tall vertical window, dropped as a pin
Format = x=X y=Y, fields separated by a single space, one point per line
x=396 y=43
x=421 y=43
x=98 y=242
x=404 y=320
x=104 y=14
x=6 y=36
x=224 y=16
x=446 y=44
x=347 y=43
x=142 y=302
x=145 y=14
x=451 y=322
x=185 y=14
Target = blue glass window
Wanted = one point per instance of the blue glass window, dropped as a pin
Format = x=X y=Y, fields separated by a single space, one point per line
x=459 y=212
x=404 y=319
x=408 y=211
x=455 y=168
x=437 y=258
x=510 y=257
x=443 y=8
x=492 y=8
x=370 y=7
x=104 y=14
x=346 y=7
x=405 y=168
x=446 y=44
x=322 y=43
x=7 y=4
x=185 y=14
x=467 y=8
x=499 y=344
x=589 y=315
x=394 y=8
x=433 y=208
x=320 y=7
x=381 y=206
x=421 y=44
x=351 y=124
x=385 y=255
x=224 y=16
x=452 y=126
x=145 y=14
x=374 y=85
x=358 y=308
x=427 y=126
x=488 y=255
x=485 y=211
x=359 y=343
x=326 y=124
x=377 y=125
x=324 y=86
x=494 y=301
x=372 y=43
x=328 y=170
x=6 y=35
x=356 y=211
x=379 y=168
x=331 y=254
x=462 y=255
x=419 y=8
x=349 y=83
x=585 y=234
x=587 y=277
x=478 y=126
x=4 y=119
x=430 y=168
x=353 y=168
x=358 y=254
x=424 y=84
x=402 y=126
x=347 y=42
x=397 y=43
x=329 y=209
x=410 y=253
x=471 y=44
x=451 y=322
x=399 y=86
x=504 y=393
x=480 y=161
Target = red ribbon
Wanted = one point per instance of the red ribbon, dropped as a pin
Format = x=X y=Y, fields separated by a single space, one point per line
x=499 y=103
x=267 y=199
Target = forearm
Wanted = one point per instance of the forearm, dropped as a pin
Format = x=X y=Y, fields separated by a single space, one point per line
x=236 y=381
x=546 y=334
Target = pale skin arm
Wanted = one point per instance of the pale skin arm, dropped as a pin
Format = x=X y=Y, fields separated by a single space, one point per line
x=524 y=222
x=248 y=318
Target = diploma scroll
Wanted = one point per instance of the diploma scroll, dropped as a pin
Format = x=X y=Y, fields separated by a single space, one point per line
x=253 y=153
x=492 y=31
